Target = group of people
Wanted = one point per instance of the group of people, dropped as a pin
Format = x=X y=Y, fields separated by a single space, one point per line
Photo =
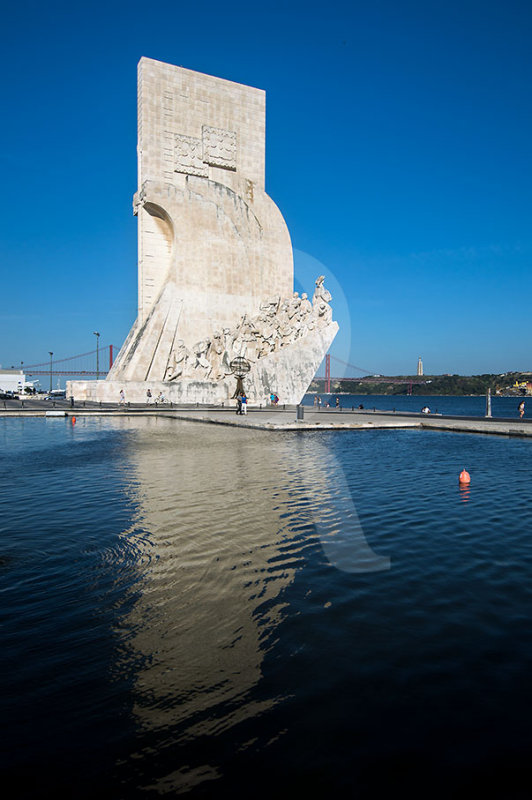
x=242 y=403
x=149 y=398
x=159 y=399
x=317 y=402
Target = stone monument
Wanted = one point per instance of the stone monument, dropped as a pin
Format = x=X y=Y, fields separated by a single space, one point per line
x=215 y=266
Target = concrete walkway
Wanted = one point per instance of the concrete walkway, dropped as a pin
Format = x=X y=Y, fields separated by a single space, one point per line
x=283 y=419
x=277 y=419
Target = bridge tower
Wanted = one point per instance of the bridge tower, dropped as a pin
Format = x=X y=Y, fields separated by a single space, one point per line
x=328 y=373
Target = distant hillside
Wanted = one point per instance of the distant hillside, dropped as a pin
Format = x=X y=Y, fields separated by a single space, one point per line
x=433 y=385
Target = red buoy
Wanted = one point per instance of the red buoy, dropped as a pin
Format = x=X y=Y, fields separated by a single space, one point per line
x=73 y=420
x=464 y=477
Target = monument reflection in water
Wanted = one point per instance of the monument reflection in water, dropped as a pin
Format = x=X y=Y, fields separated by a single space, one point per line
x=229 y=518
x=216 y=508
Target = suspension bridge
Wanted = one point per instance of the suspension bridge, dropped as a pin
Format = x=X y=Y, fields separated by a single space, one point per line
x=97 y=363
x=366 y=376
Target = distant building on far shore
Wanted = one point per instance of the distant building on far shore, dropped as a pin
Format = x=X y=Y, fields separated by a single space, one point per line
x=419 y=366
x=12 y=380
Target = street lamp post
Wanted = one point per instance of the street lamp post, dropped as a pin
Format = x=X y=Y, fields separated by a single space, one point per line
x=97 y=354
x=51 y=356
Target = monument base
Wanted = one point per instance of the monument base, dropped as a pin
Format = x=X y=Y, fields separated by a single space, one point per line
x=287 y=373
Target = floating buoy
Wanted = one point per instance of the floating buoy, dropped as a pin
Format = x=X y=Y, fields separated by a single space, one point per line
x=464 y=477
x=73 y=420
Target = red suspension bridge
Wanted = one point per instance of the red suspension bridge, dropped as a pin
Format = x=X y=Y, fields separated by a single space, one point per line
x=367 y=377
x=94 y=363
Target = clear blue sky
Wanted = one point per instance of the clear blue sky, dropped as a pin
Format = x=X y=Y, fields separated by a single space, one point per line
x=399 y=138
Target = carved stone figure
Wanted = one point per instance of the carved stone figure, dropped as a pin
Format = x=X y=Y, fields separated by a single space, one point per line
x=320 y=301
x=202 y=363
x=306 y=305
x=178 y=361
x=321 y=293
x=216 y=356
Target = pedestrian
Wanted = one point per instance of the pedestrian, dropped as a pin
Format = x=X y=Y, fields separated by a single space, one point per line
x=521 y=409
x=239 y=404
x=315 y=399
x=122 y=397
x=319 y=402
x=148 y=397
x=244 y=403
x=272 y=399
x=337 y=403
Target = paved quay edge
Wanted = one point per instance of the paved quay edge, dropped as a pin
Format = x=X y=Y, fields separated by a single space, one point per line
x=284 y=419
x=296 y=425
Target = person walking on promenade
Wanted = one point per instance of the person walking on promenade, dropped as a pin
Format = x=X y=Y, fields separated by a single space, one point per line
x=239 y=404
x=244 y=403
x=337 y=403
x=122 y=397
x=148 y=397
x=521 y=409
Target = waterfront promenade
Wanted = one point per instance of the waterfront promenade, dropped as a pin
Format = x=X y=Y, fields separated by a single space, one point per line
x=279 y=418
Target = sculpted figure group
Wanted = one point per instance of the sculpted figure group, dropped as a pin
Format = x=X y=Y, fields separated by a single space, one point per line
x=278 y=324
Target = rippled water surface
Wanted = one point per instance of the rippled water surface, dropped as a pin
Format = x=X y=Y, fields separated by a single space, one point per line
x=467 y=405
x=201 y=610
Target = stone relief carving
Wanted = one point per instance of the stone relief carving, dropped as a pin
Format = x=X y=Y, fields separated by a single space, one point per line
x=216 y=147
x=279 y=323
x=219 y=147
x=188 y=155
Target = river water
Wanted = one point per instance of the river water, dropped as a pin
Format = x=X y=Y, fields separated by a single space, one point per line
x=211 y=612
x=468 y=405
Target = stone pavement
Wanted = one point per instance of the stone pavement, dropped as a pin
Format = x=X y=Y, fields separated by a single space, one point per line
x=281 y=418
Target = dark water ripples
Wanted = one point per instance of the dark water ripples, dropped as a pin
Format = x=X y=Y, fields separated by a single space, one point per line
x=186 y=607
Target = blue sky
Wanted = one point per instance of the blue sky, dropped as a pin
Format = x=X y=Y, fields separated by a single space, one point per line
x=398 y=150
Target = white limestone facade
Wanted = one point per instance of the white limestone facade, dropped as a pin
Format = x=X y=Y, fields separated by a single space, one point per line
x=213 y=247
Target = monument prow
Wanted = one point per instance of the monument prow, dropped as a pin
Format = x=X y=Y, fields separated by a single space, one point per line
x=215 y=264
